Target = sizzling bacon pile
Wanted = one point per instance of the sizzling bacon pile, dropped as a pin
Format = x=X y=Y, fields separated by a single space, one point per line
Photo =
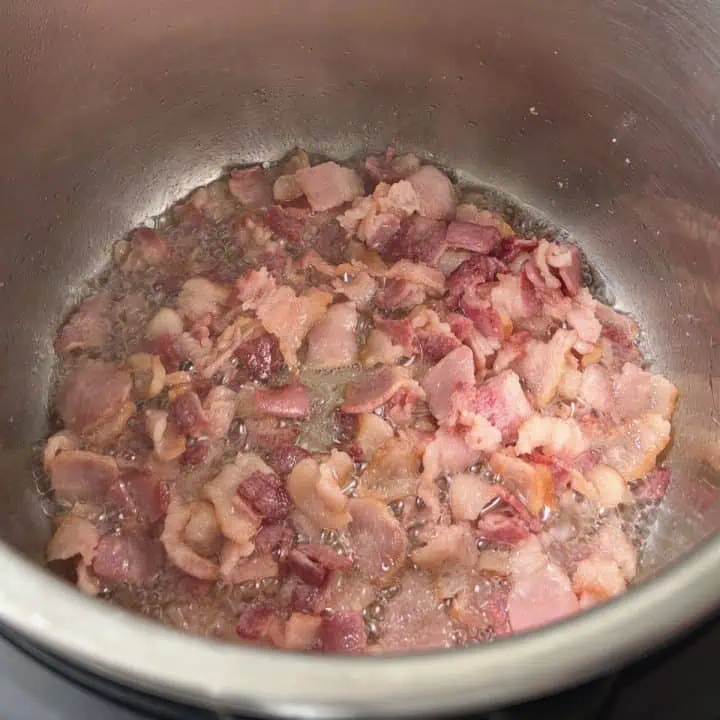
x=321 y=419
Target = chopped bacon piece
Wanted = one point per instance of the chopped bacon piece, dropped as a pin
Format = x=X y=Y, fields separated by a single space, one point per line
x=440 y=382
x=372 y=433
x=379 y=349
x=633 y=448
x=266 y=493
x=359 y=290
x=259 y=358
x=480 y=239
x=638 y=392
x=597 y=578
x=329 y=185
x=187 y=414
x=316 y=490
x=332 y=342
x=88 y=327
x=554 y=435
x=239 y=564
x=288 y=223
x=165 y=324
x=78 y=476
x=401 y=332
x=93 y=396
x=275 y=540
x=328 y=239
x=399 y=295
x=251 y=187
x=390 y=168
x=435 y=193
x=312 y=562
x=127 y=558
x=485 y=318
x=402 y=407
x=500 y=528
x=477 y=270
x=451 y=260
x=435 y=346
x=267 y=434
x=219 y=406
x=280 y=310
x=432 y=280
x=448 y=452
x=544 y=365
x=377 y=539
x=289 y=401
x=284 y=458
x=581 y=317
x=515 y=297
x=514 y=250
x=500 y=400
x=191 y=527
x=74 y=536
x=394 y=467
x=533 y=481
x=601 y=484
x=168 y=442
x=541 y=592
x=483 y=607
x=299 y=596
x=618 y=327
x=238 y=521
x=421 y=241
x=210 y=358
x=376 y=389
x=301 y=631
x=569 y=267
x=447 y=546
x=259 y=624
x=543 y=275
x=201 y=297
x=141 y=493
x=596 y=388
x=469 y=494
x=57 y=443
x=384 y=233
x=343 y=632
x=286 y=189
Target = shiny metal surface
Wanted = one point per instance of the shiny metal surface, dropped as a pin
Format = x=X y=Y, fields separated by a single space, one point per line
x=600 y=113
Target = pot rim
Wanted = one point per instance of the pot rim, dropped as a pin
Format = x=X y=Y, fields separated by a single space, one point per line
x=135 y=651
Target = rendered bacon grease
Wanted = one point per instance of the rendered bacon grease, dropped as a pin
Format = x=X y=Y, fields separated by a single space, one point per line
x=337 y=409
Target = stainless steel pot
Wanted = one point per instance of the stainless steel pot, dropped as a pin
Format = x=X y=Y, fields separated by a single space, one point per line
x=601 y=113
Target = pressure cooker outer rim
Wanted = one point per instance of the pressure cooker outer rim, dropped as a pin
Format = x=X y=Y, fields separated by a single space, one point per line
x=132 y=650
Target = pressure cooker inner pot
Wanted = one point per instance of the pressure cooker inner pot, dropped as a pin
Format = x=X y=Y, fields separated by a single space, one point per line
x=600 y=117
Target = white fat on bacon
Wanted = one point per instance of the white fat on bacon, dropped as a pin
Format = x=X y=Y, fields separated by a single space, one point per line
x=552 y=434
x=176 y=544
x=544 y=365
x=541 y=592
x=316 y=490
x=632 y=448
x=332 y=342
x=469 y=494
x=238 y=521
